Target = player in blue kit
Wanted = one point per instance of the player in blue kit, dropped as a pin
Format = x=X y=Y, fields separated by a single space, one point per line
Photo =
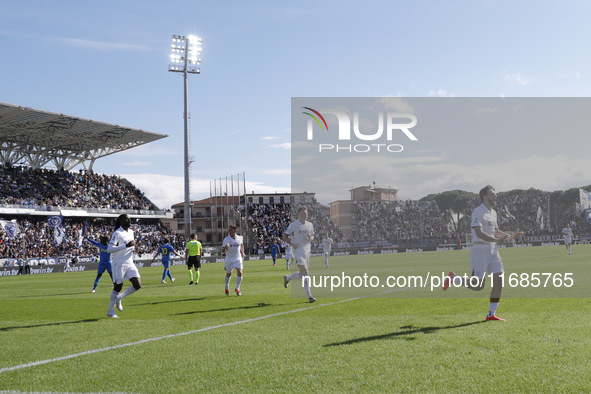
x=166 y=250
x=274 y=251
x=104 y=259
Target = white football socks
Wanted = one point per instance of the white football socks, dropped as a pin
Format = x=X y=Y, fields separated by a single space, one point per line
x=492 y=308
x=129 y=291
x=112 y=302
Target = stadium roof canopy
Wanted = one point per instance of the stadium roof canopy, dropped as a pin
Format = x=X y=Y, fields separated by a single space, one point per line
x=35 y=138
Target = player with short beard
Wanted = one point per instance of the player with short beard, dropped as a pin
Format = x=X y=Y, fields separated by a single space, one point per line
x=484 y=255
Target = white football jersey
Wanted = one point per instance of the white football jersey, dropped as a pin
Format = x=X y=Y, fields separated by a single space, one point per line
x=121 y=238
x=233 y=251
x=299 y=233
x=485 y=218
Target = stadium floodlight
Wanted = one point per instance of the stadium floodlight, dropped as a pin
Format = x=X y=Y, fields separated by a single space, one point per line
x=184 y=58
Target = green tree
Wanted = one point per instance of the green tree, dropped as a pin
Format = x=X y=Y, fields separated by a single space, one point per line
x=450 y=203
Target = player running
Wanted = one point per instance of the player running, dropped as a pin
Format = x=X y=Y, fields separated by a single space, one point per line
x=122 y=246
x=233 y=246
x=104 y=259
x=165 y=250
x=484 y=255
x=274 y=251
x=288 y=255
x=299 y=235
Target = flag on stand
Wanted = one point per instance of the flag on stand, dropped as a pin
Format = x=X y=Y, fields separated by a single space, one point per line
x=55 y=222
x=10 y=227
x=585 y=203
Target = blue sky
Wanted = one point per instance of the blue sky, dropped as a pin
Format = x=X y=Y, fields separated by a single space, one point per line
x=108 y=61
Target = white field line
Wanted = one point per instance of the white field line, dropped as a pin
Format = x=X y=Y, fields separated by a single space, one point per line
x=104 y=349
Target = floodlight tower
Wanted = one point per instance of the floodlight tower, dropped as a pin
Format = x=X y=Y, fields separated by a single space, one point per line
x=184 y=58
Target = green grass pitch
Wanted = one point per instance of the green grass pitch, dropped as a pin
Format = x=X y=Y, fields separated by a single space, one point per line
x=55 y=335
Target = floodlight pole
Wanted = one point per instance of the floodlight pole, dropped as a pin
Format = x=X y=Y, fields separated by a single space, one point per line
x=188 y=57
x=187 y=161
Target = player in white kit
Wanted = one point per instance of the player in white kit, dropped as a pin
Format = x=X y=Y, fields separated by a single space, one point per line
x=288 y=255
x=567 y=232
x=299 y=235
x=233 y=246
x=327 y=243
x=122 y=246
x=484 y=255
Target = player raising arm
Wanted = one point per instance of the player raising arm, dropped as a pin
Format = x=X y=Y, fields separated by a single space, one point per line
x=165 y=250
x=104 y=259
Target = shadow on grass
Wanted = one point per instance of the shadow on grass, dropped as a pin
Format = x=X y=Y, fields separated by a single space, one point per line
x=50 y=295
x=259 y=305
x=405 y=330
x=49 y=324
x=174 y=301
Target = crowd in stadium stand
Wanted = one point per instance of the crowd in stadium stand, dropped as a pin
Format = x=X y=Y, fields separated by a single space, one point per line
x=267 y=222
x=323 y=226
x=405 y=223
x=57 y=188
x=399 y=222
x=36 y=238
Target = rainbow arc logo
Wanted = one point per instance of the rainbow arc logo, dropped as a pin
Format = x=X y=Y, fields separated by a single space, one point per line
x=315 y=118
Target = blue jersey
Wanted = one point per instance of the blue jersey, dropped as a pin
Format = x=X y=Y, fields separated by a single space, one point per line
x=274 y=249
x=105 y=257
x=166 y=251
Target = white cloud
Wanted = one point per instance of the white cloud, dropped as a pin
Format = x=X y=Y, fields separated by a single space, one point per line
x=162 y=190
x=285 y=145
x=103 y=45
x=167 y=190
x=269 y=138
x=415 y=179
x=440 y=93
x=518 y=79
x=302 y=159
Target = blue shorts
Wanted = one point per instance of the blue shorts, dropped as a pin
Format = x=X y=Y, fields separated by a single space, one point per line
x=104 y=266
x=166 y=264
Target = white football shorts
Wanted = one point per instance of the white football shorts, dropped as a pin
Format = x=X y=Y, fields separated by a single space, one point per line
x=122 y=272
x=230 y=265
x=302 y=258
x=485 y=258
